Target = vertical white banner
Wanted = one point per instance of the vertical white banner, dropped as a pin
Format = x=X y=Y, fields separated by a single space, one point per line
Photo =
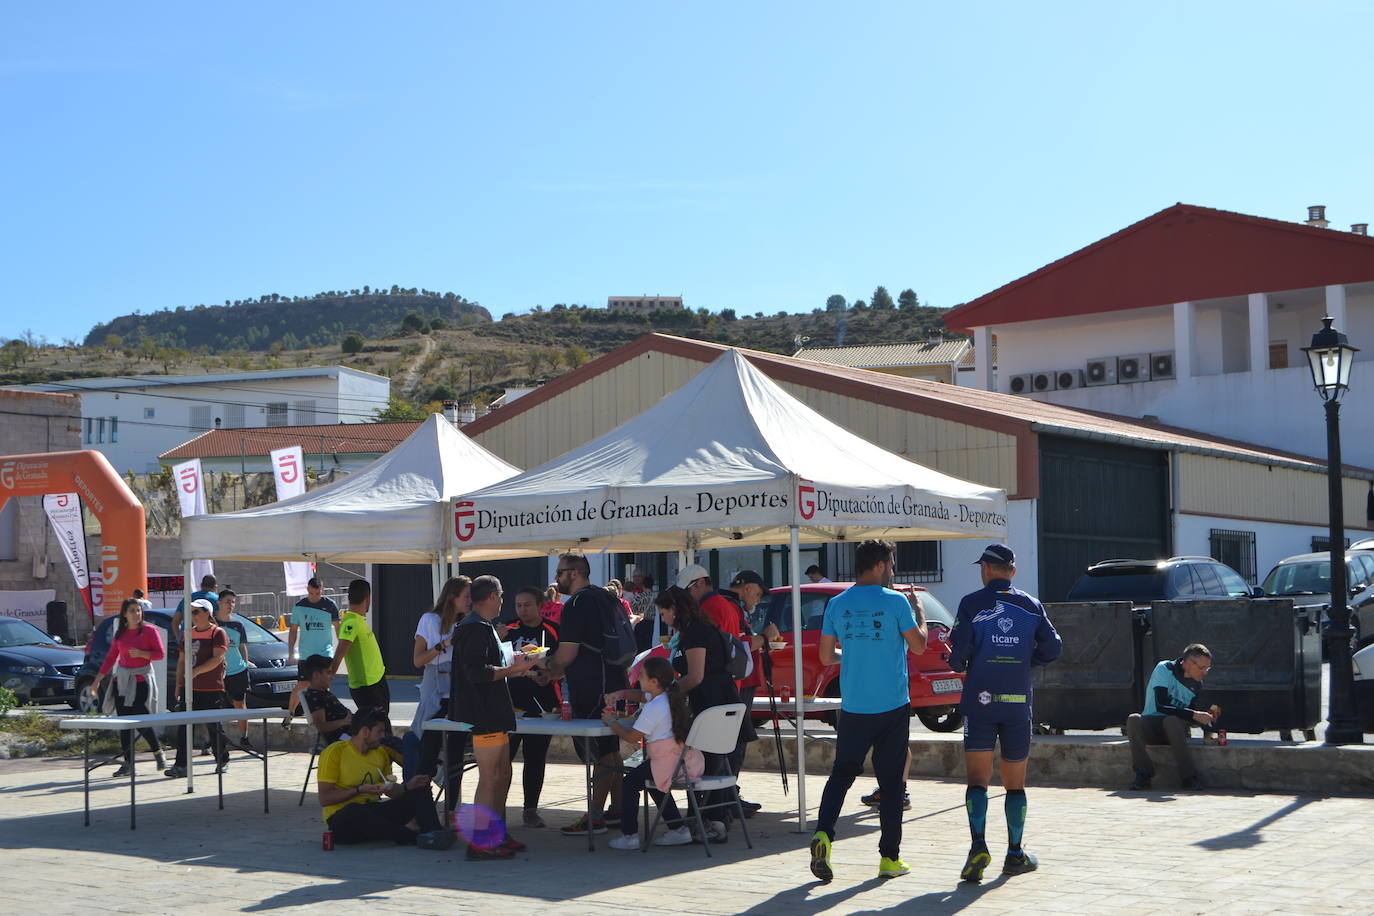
x=64 y=513
x=190 y=484
x=288 y=468
x=98 y=595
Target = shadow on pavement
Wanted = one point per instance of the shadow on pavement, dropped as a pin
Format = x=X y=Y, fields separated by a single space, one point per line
x=1248 y=837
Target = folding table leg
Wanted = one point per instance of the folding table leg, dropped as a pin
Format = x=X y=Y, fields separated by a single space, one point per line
x=591 y=832
x=133 y=807
x=264 y=766
x=86 y=764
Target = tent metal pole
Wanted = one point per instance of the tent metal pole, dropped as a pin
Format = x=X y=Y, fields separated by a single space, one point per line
x=799 y=692
x=186 y=669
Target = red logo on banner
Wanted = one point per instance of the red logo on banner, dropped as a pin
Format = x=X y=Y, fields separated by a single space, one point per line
x=61 y=500
x=806 y=499
x=7 y=475
x=189 y=480
x=463 y=524
x=290 y=471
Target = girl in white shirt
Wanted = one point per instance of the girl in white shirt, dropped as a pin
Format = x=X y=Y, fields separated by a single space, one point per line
x=662 y=725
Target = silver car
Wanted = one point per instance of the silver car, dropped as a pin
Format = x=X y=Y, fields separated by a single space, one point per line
x=1306 y=578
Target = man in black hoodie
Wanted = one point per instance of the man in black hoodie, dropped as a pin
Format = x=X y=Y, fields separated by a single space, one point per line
x=482 y=699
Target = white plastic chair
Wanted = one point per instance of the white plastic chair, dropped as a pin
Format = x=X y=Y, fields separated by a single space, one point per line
x=715 y=731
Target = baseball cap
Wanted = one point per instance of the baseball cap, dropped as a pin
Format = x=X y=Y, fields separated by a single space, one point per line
x=997 y=554
x=203 y=604
x=690 y=574
x=747 y=577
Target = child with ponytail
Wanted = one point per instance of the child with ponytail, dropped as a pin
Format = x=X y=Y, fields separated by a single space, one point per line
x=662 y=725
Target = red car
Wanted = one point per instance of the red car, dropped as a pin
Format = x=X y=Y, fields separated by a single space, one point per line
x=935 y=688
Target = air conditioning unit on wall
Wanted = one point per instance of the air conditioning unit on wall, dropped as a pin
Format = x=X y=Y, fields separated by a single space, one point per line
x=1043 y=381
x=1065 y=379
x=1161 y=366
x=1100 y=370
x=1020 y=384
x=1133 y=368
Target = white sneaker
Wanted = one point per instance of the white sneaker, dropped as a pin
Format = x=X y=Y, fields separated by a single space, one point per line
x=625 y=842
x=679 y=837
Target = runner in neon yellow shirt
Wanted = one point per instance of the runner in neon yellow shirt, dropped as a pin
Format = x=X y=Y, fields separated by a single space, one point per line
x=358 y=644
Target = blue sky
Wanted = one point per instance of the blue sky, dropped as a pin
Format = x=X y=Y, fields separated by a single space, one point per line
x=758 y=156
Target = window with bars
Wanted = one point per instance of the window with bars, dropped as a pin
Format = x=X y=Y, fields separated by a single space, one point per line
x=1321 y=544
x=305 y=412
x=200 y=416
x=233 y=416
x=276 y=413
x=1237 y=550
x=919 y=561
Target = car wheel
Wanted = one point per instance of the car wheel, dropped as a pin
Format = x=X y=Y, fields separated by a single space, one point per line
x=86 y=700
x=940 y=718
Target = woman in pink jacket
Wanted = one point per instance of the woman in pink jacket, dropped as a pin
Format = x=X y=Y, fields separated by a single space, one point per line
x=135 y=647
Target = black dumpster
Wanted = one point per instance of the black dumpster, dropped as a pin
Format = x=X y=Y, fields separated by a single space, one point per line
x=1266 y=659
x=1364 y=687
x=1095 y=683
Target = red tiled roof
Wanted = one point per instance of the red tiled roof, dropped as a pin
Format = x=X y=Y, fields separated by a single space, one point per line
x=1182 y=253
x=338 y=438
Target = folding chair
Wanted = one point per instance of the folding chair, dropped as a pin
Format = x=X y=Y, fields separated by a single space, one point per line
x=715 y=731
x=320 y=744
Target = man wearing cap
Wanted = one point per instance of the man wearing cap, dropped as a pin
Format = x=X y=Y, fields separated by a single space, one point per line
x=209 y=644
x=999 y=633
x=746 y=591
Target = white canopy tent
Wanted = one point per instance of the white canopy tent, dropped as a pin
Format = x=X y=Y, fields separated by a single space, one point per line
x=396 y=510
x=728 y=459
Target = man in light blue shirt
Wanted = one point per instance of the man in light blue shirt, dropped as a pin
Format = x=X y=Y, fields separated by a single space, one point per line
x=314 y=621
x=875 y=627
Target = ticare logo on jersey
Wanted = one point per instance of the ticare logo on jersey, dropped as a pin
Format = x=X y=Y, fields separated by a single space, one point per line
x=1005 y=624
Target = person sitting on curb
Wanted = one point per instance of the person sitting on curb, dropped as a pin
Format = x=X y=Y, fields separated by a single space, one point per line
x=1169 y=714
x=328 y=713
x=363 y=802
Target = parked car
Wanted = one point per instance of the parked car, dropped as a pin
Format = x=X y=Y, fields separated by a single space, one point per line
x=1306 y=578
x=935 y=688
x=269 y=680
x=36 y=666
x=1174 y=579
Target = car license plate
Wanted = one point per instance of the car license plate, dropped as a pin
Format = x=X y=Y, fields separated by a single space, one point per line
x=68 y=683
x=946 y=685
x=281 y=686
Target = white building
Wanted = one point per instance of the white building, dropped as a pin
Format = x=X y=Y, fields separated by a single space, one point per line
x=1195 y=317
x=134 y=419
x=643 y=304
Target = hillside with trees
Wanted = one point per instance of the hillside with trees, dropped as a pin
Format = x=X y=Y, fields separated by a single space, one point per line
x=290 y=322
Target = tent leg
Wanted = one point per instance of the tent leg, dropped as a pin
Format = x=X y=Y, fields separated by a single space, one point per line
x=186 y=660
x=800 y=687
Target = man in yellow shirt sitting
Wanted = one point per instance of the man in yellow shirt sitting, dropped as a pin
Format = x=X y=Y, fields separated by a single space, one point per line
x=363 y=802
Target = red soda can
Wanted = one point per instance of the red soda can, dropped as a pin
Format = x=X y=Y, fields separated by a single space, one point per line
x=327 y=841
x=1221 y=737
x=785 y=693
x=565 y=711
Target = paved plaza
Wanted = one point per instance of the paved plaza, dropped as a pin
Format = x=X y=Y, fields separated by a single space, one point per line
x=1100 y=850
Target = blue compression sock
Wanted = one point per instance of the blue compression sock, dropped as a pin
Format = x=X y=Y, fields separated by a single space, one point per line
x=1015 y=807
x=976 y=801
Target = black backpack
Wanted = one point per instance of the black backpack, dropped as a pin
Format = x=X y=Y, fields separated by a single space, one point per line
x=619 y=648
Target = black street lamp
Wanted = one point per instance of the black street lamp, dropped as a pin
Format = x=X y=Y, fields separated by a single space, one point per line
x=1331 y=356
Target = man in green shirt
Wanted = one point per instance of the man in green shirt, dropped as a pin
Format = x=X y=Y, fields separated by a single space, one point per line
x=358 y=645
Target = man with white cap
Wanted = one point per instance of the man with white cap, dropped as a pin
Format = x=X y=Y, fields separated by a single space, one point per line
x=999 y=633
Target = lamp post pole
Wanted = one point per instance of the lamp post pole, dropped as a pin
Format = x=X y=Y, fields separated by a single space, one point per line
x=1343 y=722
x=1331 y=357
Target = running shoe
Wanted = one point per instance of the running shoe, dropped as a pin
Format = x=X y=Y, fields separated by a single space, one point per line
x=679 y=837
x=892 y=868
x=532 y=819
x=876 y=799
x=820 y=856
x=579 y=827
x=125 y=770
x=625 y=841
x=175 y=772
x=512 y=844
x=478 y=854
x=1018 y=863
x=978 y=859
x=1141 y=782
x=246 y=743
x=436 y=839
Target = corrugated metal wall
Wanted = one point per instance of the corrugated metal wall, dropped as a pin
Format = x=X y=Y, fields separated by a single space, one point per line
x=1218 y=486
x=605 y=401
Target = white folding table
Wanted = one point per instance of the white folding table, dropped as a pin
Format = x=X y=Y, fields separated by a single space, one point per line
x=90 y=724
x=548 y=725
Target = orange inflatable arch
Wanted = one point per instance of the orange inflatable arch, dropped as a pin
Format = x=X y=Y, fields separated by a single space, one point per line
x=123 y=538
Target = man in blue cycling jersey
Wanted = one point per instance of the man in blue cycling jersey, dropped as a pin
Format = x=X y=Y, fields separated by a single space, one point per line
x=999 y=634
